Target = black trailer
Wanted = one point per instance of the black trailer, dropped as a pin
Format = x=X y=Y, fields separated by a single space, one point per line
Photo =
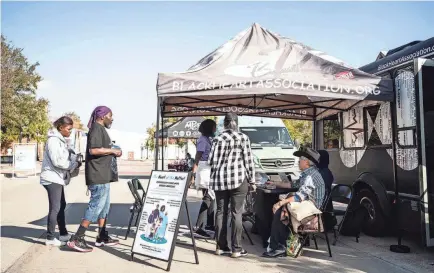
x=364 y=156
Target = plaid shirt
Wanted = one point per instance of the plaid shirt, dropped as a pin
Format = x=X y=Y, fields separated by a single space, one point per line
x=311 y=186
x=231 y=161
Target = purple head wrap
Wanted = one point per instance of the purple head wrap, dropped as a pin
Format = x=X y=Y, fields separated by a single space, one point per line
x=99 y=112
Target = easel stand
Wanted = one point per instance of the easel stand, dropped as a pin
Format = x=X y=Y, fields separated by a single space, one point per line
x=169 y=262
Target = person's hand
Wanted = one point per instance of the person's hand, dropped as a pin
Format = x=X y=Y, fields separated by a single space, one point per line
x=117 y=152
x=276 y=207
x=252 y=187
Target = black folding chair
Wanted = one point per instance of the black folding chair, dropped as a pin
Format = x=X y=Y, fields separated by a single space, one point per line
x=248 y=214
x=139 y=187
x=136 y=208
x=343 y=195
x=305 y=236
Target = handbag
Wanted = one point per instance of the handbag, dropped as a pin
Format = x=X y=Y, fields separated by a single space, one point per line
x=301 y=210
x=293 y=245
x=312 y=224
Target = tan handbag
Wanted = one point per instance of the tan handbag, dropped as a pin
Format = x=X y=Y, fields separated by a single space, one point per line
x=301 y=210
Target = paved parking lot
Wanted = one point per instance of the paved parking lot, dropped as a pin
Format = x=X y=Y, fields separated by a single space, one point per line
x=24 y=206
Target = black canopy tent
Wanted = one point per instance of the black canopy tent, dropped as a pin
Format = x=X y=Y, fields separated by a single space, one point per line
x=260 y=73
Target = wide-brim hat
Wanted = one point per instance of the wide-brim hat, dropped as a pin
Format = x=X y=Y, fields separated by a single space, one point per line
x=309 y=153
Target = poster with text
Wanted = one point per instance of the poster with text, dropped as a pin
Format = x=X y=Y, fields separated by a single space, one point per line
x=24 y=156
x=160 y=214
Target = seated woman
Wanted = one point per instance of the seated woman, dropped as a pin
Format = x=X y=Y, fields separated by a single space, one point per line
x=311 y=187
x=323 y=168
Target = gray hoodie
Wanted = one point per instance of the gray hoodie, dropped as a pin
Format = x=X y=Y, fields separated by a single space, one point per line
x=57 y=163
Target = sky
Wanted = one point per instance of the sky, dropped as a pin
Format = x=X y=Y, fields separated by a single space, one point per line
x=110 y=53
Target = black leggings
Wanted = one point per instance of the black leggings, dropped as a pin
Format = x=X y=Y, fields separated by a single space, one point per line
x=56 y=212
x=206 y=211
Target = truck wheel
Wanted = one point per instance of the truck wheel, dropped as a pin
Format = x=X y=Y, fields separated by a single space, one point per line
x=375 y=224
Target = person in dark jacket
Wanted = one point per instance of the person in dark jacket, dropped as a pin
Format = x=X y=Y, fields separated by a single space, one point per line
x=327 y=176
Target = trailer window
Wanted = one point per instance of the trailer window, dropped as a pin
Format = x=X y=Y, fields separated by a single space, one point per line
x=405 y=107
x=332 y=132
x=353 y=128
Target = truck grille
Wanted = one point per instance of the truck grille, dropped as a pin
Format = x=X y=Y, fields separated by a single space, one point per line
x=278 y=163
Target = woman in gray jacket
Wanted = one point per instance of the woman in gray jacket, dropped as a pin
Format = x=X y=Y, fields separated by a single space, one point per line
x=57 y=164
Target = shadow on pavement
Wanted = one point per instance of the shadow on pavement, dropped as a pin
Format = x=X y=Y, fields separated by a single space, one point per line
x=30 y=235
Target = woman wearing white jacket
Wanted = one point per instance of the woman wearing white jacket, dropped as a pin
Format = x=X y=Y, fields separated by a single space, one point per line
x=57 y=165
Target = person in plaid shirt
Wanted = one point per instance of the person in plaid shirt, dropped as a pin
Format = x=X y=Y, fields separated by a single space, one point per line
x=232 y=170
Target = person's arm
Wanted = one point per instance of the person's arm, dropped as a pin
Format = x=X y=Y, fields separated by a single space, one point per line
x=196 y=161
x=103 y=151
x=59 y=156
x=248 y=161
x=306 y=189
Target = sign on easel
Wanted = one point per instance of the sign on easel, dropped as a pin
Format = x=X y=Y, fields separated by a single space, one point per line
x=159 y=220
x=24 y=157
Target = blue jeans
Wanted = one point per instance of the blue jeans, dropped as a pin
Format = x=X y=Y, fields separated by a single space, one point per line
x=99 y=203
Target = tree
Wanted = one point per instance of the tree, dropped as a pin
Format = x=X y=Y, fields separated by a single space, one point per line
x=299 y=129
x=76 y=119
x=23 y=114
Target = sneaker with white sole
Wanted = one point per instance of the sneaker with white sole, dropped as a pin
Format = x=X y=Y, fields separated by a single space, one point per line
x=225 y=251
x=239 y=254
x=53 y=242
x=65 y=238
x=105 y=240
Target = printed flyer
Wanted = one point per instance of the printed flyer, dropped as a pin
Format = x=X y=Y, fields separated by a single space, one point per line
x=160 y=214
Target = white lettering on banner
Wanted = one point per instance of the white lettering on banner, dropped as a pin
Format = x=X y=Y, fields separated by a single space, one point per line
x=235 y=109
x=278 y=84
x=403 y=59
x=191 y=125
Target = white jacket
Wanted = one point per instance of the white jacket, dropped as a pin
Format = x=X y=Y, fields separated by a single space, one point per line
x=57 y=163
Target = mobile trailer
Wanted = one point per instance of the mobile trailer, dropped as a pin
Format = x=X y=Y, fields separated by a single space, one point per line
x=364 y=156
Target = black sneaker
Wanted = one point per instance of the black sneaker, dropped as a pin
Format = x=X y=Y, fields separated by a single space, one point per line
x=210 y=228
x=203 y=234
x=105 y=240
x=224 y=251
x=78 y=244
x=239 y=254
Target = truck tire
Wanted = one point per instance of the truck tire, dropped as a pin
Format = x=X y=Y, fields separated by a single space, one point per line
x=375 y=223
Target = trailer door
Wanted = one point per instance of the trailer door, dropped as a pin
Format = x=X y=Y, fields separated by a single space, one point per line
x=424 y=70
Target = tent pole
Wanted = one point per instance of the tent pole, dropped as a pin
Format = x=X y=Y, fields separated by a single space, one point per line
x=399 y=248
x=314 y=130
x=162 y=142
x=157 y=129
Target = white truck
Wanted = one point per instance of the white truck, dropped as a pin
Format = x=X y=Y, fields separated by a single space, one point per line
x=272 y=146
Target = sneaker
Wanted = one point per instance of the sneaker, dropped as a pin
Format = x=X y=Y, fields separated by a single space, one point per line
x=53 y=242
x=202 y=233
x=78 y=244
x=225 y=251
x=239 y=254
x=210 y=228
x=65 y=238
x=105 y=240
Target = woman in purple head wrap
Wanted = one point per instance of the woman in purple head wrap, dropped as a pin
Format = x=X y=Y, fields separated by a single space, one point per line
x=101 y=112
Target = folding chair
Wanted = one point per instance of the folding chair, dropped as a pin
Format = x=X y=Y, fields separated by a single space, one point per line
x=341 y=194
x=139 y=187
x=305 y=236
x=136 y=208
x=248 y=214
